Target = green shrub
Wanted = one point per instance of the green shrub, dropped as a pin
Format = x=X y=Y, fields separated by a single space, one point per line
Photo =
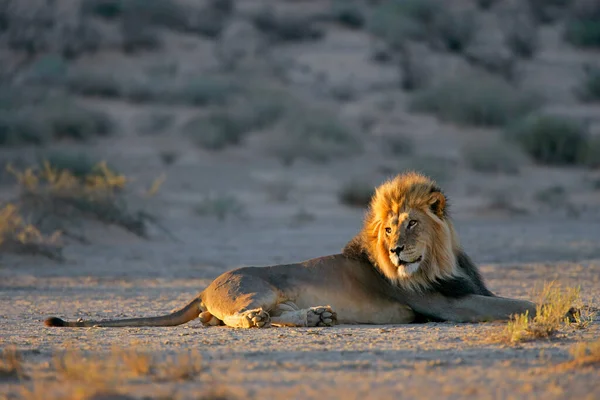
x=216 y=131
x=356 y=193
x=315 y=135
x=55 y=118
x=396 y=20
x=589 y=90
x=108 y=9
x=475 y=100
x=582 y=27
x=551 y=139
x=79 y=165
x=286 y=27
x=455 y=30
x=221 y=206
x=491 y=156
x=348 y=13
x=521 y=36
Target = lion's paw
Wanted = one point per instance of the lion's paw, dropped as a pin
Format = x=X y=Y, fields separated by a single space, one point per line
x=258 y=318
x=321 y=316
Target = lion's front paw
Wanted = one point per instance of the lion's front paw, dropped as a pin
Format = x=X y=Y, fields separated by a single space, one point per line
x=258 y=318
x=321 y=316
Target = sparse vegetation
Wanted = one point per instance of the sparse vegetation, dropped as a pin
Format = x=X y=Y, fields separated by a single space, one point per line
x=217 y=130
x=80 y=165
x=356 y=193
x=552 y=313
x=493 y=156
x=547 y=11
x=221 y=206
x=551 y=139
x=477 y=100
x=582 y=27
x=589 y=90
x=154 y=122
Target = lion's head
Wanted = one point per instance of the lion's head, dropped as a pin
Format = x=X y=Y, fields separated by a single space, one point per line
x=407 y=233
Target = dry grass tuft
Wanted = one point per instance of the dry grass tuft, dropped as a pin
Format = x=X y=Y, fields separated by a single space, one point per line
x=59 y=199
x=552 y=313
x=11 y=364
x=18 y=236
x=585 y=354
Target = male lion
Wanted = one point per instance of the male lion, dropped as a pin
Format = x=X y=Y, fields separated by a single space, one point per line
x=405 y=263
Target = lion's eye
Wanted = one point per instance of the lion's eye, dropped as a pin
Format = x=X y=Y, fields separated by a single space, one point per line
x=388 y=230
x=412 y=223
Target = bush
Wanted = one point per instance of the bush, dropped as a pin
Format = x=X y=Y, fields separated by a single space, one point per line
x=348 y=13
x=550 y=139
x=56 y=118
x=108 y=9
x=492 y=157
x=286 y=27
x=589 y=90
x=216 y=131
x=521 y=36
x=356 y=193
x=455 y=30
x=315 y=135
x=475 y=100
x=80 y=165
x=396 y=20
x=583 y=25
x=547 y=11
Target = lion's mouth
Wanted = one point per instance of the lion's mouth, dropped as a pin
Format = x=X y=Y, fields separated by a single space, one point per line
x=404 y=263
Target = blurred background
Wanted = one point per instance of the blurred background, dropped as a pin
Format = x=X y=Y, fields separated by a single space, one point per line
x=257 y=130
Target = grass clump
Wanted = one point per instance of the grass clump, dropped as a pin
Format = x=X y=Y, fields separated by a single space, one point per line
x=58 y=198
x=356 y=193
x=315 y=135
x=554 y=306
x=582 y=27
x=221 y=206
x=551 y=139
x=483 y=101
x=491 y=156
x=11 y=364
x=20 y=237
x=585 y=354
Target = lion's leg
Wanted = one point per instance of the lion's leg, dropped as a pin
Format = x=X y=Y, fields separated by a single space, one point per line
x=288 y=314
x=471 y=308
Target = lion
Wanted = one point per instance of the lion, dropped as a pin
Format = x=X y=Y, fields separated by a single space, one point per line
x=405 y=264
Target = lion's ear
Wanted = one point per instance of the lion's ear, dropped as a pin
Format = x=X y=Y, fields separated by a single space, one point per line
x=437 y=203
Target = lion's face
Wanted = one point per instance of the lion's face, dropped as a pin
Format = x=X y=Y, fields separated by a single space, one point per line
x=405 y=236
x=408 y=234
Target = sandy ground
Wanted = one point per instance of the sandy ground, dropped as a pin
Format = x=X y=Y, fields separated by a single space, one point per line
x=122 y=276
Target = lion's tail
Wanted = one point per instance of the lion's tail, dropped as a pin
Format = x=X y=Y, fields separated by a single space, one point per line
x=186 y=314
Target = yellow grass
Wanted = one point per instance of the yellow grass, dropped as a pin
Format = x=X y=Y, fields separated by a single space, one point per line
x=552 y=313
x=11 y=365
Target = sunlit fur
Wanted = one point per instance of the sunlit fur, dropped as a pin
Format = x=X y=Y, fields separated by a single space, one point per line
x=415 y=194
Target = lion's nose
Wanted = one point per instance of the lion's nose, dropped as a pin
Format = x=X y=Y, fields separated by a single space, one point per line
x=397 y=249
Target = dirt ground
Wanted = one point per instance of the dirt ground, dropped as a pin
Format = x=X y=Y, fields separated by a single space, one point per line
x=524 y=228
